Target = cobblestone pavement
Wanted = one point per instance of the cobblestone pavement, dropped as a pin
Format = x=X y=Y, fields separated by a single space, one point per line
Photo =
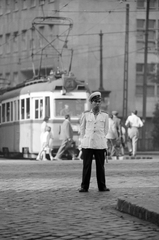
x=40 y=200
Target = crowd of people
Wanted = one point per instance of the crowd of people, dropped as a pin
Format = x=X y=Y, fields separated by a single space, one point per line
x=100 y=135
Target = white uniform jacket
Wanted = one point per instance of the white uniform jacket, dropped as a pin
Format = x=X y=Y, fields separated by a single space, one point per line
x=93 y=130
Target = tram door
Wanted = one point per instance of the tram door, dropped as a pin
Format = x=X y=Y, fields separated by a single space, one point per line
x=38 y=107
x=41 y=108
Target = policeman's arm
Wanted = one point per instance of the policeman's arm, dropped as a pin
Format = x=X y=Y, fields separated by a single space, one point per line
x=82 y=125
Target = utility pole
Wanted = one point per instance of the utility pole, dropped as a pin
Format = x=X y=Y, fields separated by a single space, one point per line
x=145 y=76
x=104 y=93
x=101 y=62
x=125 y=85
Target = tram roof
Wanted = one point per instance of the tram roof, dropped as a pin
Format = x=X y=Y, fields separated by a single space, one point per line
x=34 y=87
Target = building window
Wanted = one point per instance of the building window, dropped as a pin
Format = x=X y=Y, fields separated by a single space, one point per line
x=15 y=5
x=139 y=79
x=150 y=79
x=32 y=39
x=151 y=91
x=8 y=77
x=24 y=40
x=1 y=46
x=15 y=78
x=51 y=30
x=153 y=4
x=140 y=3
x=8 y=4
x=41 y=39
x=24 y=6
x=32 y=3
x=15 y=42
x=7 y=43
x=41 y=2
x=141 y=35
x=1 y=7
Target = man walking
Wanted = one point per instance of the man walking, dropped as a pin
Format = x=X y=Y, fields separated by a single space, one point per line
x=133 y=123
x=116 y=150
x=93 y=131
x=66 y=135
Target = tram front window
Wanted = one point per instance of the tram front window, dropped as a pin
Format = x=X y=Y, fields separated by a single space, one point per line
x=73 y=107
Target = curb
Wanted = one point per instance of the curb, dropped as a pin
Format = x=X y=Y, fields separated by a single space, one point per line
x=137 y=211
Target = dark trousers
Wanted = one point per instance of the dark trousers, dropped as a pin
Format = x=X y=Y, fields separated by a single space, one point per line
x=99 y=155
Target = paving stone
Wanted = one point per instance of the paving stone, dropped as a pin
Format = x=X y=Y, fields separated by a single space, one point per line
x=40 y=200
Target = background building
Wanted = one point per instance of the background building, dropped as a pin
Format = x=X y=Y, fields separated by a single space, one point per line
x=25 y=47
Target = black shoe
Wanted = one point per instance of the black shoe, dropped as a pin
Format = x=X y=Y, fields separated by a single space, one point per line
x=104 y=190
x=83 y=190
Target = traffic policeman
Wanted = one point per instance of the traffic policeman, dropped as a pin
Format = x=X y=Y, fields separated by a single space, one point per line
x=93 y=131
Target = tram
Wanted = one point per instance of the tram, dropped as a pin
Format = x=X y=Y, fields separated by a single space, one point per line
x=23 y=108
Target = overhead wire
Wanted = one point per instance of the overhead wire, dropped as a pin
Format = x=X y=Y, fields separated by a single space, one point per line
x=82 y=34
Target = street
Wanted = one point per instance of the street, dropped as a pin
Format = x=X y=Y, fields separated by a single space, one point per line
x=40 y=200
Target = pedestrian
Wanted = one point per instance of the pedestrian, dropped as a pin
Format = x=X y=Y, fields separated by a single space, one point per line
x=111 y=136
x=133 y=123
x=43 y=130
x=116 y=151
x=66 y=135
x=93 y=130
x=47 y=148
x=123 y=140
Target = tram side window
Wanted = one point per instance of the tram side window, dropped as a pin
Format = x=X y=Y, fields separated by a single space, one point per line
x=11 y=111
x=0 y=114
x=3 y=112
x=47 y=106
x=36 y=108
x=39 y=106
x=27 y=108
x=15 y=111
x=8 y=111
x=18 y=110
x=22 y=109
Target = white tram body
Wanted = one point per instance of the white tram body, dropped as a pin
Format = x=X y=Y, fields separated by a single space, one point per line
x=22 y=110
